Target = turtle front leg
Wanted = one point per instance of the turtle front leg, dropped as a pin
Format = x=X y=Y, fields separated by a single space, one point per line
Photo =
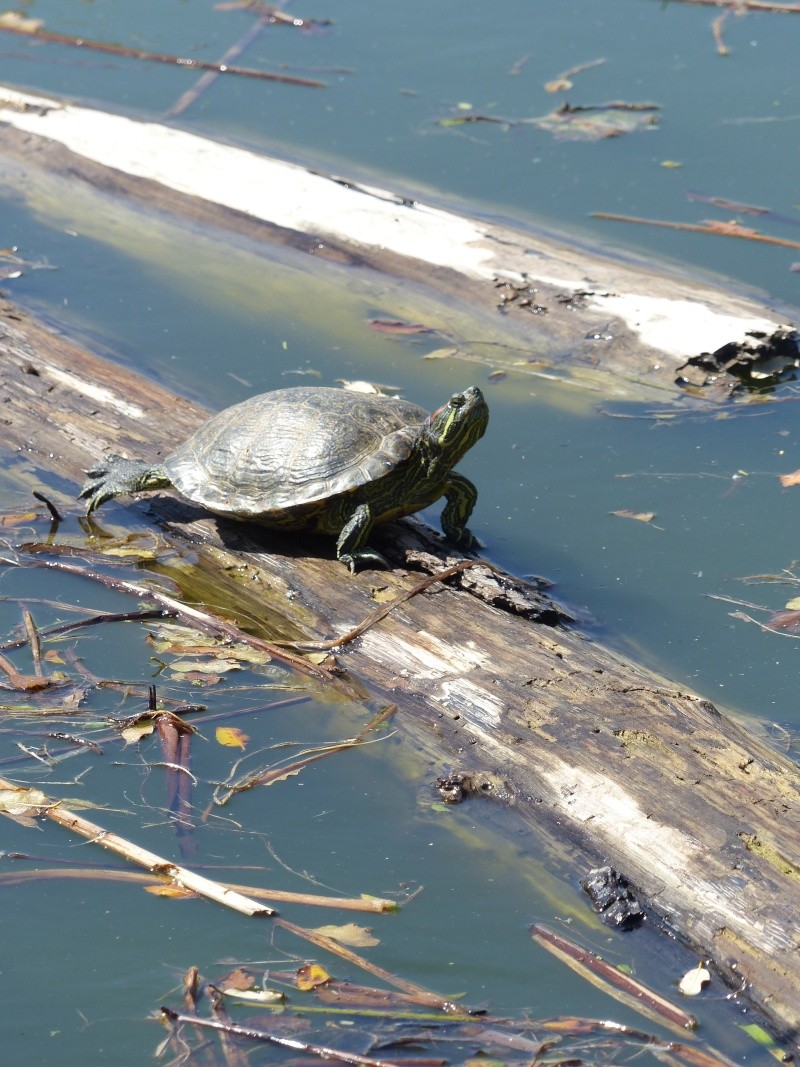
x=350 y=545
x=120 y=476
x=461 y=496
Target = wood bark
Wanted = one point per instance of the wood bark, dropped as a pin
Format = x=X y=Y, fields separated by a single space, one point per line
x=616 y=325
x=580 y=743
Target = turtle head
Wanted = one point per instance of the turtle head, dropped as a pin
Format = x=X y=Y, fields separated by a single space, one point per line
x=452 y=430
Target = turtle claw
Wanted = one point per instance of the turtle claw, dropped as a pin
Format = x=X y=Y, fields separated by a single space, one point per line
x=119 y=476
x=364 y=558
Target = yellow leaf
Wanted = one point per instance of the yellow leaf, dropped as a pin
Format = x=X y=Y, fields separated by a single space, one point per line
x=794 y=605
x=51 y=656
x=790 y=479
x=310 y=976
x=350 y=934
x=230 y=736
x=175 y=892
x=138 y=730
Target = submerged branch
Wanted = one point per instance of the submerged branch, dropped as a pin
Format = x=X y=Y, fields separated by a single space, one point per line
x=154 y=57
x=716 y=229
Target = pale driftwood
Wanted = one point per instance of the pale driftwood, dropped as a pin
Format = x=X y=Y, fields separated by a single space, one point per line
x=615 y=325
x=579 y=742
x=105 y=874
x=157 y=865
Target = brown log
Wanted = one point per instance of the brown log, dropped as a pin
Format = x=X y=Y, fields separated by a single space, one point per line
x=580 y=743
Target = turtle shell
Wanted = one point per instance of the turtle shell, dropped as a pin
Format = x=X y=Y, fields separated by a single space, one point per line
x=293 y=450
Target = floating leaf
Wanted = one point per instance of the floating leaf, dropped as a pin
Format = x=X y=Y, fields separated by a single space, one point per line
x=358 y=386
x=794 y=604
x=640 y=516
x=310 y=976
x=350 y=934
x=760 y=1035
x=790 y=479
x=172 y=891
x=441 y=353
x=23 y=801
x=197 y=678
x=18 y=519
x=137 y=730
x=256 y=996
x=694 y=980
x=231 y=737
x=788 y=621
x=15 y=20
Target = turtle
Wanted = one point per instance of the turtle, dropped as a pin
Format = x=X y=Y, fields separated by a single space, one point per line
x=322 y=459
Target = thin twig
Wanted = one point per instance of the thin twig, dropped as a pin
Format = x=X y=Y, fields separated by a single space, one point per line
x=33 y=640
x=206 y=80
x=55 y=514
x=613 y=981
x=157 y=57
x=331 y=945
x=372 y=905
x=386 y=609
x=748 y=5
x=35 y=803
x=111 y=616
x=256 y=1034
x=201 y=618
x=713 y=228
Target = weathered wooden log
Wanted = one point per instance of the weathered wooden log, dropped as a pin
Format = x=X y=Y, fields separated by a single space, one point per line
x=582 y=744
x=619 y=325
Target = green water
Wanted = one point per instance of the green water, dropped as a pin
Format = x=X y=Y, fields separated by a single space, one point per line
x=86 y=962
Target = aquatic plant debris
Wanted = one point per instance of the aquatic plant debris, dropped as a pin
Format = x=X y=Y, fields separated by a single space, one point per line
x=590 y=122
x=562 y=83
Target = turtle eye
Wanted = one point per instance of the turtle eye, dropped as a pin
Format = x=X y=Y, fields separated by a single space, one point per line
x=457 y=400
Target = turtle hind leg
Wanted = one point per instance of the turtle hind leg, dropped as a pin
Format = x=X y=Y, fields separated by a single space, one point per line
x=351 y=546
x=118 y=477
x=461 y=496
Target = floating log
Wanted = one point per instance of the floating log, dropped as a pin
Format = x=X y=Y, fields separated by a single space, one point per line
x=581 y=744
x=618 y=324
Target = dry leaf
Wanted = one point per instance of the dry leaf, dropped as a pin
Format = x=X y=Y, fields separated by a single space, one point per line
x=17 y=520
x=790 y=479
x=255 y=996
x=17 y=21
x=441 y=353
x=640 y=516
x=310 y=976
x=137 y=730
x=349 y=934
x=694 y=980
x=231 y=737
x=174 y=892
